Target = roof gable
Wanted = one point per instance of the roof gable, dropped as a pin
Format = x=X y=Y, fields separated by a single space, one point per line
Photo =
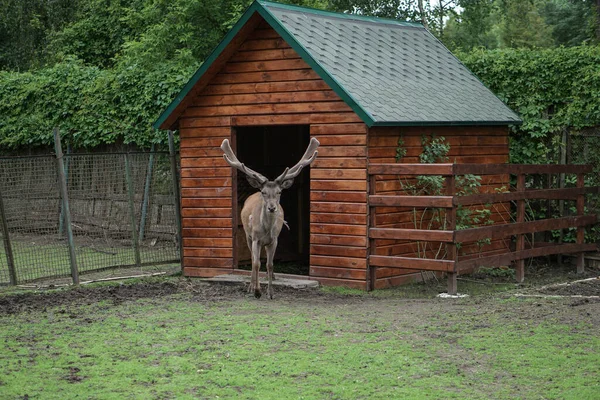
x=389 y=72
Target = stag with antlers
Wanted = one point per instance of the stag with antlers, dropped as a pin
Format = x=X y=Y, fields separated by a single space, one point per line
x=262 y=215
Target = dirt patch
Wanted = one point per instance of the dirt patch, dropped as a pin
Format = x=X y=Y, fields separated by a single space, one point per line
x=86 y=295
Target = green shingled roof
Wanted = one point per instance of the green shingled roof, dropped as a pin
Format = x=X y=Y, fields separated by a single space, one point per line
x=391 y=73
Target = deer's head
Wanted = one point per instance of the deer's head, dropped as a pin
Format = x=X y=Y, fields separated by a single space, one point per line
x=271 y=190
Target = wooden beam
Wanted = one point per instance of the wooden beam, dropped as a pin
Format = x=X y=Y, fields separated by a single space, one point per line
x=411 y=169
x=424 y=264
x=515 y=169
x=504 y=230
x=411 y=201
x=547 y=194
x=411 y=234
x=506 y=258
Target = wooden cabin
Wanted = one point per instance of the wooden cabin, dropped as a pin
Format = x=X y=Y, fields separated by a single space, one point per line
x=358 y=84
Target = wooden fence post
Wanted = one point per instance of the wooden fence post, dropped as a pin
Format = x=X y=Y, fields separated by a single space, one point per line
x=130 y=195
x=12 y=273
x=580 y=229
x=452 y=253
x=520 y=263
x=62 y=181
x=176 y=195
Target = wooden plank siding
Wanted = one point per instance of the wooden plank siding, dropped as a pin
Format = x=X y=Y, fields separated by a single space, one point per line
x=265 y=82
x=478 y=144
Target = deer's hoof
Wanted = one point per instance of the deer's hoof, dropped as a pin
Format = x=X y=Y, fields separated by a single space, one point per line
x=257 y=293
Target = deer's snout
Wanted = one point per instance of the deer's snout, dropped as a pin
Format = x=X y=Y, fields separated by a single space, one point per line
x=271 y=209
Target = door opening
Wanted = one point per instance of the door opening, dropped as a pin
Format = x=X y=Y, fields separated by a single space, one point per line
x=269 y=150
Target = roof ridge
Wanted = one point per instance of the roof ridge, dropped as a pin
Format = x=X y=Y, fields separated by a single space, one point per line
x=335 y=14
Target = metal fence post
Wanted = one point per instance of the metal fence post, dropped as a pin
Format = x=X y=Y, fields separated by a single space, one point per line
x=176 y=195
x=146 y=199
x=62 y=181
x=12 y=273
x=134 y=235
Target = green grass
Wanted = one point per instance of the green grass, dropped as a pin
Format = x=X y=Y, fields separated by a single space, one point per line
x=340 y=347
x=35 y=260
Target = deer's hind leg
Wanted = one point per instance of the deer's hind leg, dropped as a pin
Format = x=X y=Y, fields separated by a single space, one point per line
x=270 y=249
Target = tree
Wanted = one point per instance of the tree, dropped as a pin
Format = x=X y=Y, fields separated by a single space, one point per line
x=573 y=21
x=522 y=25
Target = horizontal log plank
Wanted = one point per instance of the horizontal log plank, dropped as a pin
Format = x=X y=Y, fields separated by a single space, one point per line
x=261 y=44
x=351 y=219
x=206 y=192
x=338 y=207
x=196 y=202
x=189 y=133
x=206 y=212
x=193 y=162
x=205 y=272
x=340 y=262
x=259 y=66
x=343 y=273
x=504 y=230
x=207 y=262
x=339 y=163
x=267 y=76
x=339 y=229
x=208 y=242
x=341 y=251
x=411 y=234
x=412 y=263
x=350 y=185
x=276 y=108
x=546 y=194
x=266 y=87
x=190 y=172
x=338 y=129
x=199 y=222
x=357 y=241
x=265 y=55
x=207 y=252
x=264 y=98
x=411 y=201
x=342 y=140
x=207 y=232
x=348 y=197
x=205 y=182
x=410 y=169
x=339 y=173
x=478 y=169
x=507 y=258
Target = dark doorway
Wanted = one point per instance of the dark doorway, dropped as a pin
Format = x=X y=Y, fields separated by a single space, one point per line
x=269 y=150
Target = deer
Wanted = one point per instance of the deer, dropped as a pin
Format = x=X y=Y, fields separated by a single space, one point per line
x=262 y=215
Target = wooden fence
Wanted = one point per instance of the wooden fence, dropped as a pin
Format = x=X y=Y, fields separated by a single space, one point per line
x=517 y=228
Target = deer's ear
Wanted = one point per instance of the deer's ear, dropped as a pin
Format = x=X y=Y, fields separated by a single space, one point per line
x=286 y=184
x=255 y=183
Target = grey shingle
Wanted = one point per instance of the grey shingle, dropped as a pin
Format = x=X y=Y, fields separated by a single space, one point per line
x=396 y=72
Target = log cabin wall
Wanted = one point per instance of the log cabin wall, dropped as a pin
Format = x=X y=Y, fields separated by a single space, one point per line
x=480 y=144
x=266 y=83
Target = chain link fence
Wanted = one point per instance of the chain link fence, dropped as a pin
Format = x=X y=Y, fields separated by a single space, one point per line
x=122 y=211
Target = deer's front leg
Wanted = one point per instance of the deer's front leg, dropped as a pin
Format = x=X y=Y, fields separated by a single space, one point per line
x=270 y=255
x=254 y=281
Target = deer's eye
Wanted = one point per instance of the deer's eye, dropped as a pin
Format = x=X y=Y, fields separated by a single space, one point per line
x=279 y=192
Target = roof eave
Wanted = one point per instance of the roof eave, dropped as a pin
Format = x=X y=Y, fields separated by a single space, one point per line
x=446 y=123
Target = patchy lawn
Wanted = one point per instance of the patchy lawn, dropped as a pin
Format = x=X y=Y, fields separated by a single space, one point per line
x=177 y=338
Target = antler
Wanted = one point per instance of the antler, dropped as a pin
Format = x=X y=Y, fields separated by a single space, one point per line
x=309 y=156
x=232 y=160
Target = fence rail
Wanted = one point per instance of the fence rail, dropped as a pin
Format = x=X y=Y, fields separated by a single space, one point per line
x=453 y=237
x=69 y=214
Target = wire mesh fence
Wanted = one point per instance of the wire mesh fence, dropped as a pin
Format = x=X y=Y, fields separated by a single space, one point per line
x=121 y=211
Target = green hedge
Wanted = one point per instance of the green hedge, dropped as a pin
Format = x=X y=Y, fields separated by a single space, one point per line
x=551 y=89
x=91 y=106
